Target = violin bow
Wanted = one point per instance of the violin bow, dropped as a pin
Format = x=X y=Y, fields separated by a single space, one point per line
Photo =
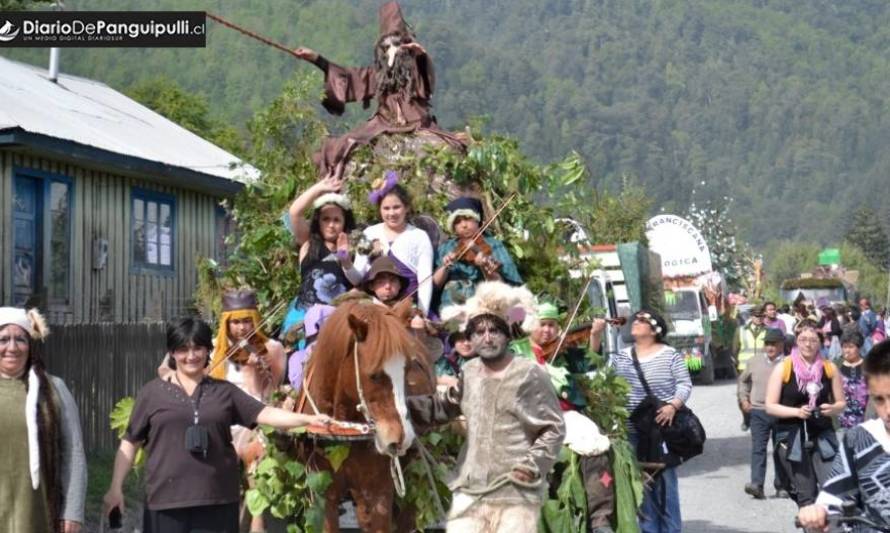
x=568 y=324
x=466 y=247
x=238 y=345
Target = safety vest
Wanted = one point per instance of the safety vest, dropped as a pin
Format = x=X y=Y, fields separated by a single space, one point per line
x=749 y=345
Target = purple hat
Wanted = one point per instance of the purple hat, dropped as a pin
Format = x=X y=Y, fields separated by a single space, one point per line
x=381 y=187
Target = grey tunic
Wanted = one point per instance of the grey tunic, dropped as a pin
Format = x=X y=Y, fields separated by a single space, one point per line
x=513 y=421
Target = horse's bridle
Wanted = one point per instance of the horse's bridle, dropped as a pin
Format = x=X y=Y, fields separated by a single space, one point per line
x=369 y=426
x=395 y=466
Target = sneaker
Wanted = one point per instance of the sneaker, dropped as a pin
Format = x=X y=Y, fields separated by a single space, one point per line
x=755 y=490
x=744 y=427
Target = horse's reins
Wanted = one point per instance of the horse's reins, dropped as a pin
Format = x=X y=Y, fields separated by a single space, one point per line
x=362 y=407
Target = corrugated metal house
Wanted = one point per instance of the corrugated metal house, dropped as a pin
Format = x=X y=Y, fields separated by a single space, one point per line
x=105 y=205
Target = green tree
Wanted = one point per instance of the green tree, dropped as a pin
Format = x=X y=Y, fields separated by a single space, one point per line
x=872 y=281
x=866 y=233
x=189 y=110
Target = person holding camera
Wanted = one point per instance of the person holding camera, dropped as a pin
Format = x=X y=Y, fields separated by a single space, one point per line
x=183 y=422
x=804 y=393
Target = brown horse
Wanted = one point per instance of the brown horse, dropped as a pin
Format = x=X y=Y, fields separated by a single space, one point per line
x=372 y=341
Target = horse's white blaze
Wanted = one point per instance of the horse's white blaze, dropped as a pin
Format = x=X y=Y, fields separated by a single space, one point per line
x=395 y=369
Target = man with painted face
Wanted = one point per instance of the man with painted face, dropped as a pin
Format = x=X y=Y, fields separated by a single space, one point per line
x=514 y=428
x=401 y=80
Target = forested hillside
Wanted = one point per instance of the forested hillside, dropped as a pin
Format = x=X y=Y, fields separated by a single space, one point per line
x=782 y=105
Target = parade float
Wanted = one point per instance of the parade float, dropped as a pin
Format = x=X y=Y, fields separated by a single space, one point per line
x=523 y=200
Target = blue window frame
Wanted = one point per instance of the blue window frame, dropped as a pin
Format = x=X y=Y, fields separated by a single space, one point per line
x=224 y=227
x=42 y=238
x=152 y=230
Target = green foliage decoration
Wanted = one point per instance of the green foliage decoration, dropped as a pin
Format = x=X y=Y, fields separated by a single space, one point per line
x=628 y=486
x=119 y=420
x=282 y=137
x=287 y=489
x=606 y=394
x=443 y=446
x=567 y=513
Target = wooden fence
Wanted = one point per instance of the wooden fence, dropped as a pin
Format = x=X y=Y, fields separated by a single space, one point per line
x=102 y=363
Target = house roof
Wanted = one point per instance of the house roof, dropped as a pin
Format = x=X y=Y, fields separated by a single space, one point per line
x=106 y=124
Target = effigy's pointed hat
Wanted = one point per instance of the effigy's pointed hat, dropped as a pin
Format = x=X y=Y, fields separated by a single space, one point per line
x=391 y=20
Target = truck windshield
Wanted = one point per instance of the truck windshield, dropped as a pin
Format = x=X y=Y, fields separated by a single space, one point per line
x=682 y=305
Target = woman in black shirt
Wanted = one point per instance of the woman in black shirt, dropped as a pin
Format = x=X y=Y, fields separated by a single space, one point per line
x=183 y=422
x=804 y=393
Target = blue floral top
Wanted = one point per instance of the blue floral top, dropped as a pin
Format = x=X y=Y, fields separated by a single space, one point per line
x=321 y=282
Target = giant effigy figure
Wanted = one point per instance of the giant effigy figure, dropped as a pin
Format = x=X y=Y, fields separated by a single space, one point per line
x=401 y=80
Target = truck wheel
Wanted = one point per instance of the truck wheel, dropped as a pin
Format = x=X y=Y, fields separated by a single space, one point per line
x=706 y=374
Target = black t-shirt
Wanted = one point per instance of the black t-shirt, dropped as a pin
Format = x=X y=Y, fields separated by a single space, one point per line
x=792 y=396
x=175 y=477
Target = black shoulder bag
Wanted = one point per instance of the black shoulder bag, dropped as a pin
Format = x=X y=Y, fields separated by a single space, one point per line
x=684 y=438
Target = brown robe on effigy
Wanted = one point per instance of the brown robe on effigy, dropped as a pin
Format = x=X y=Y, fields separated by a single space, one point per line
x=399 y=112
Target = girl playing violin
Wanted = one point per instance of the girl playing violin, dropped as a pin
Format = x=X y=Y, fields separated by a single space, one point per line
x=484 y=258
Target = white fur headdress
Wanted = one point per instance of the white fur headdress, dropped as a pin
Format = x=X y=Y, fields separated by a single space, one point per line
x=332 y=198
x=31 y=321
x=516 y=305
x=34 y=323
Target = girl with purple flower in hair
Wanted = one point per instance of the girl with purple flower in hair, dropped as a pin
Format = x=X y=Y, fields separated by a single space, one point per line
x=804 y=393
x=407 y=245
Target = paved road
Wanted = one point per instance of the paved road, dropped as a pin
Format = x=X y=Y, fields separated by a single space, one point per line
x=711 y=485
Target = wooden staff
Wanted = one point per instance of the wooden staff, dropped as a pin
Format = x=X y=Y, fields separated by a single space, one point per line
x=251 y=34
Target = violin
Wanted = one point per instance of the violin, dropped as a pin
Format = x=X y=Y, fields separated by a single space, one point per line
x=575 y=336
x=474 y=248
x=247 y=347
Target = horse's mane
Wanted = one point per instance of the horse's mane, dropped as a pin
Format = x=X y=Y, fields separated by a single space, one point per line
x=387 y=335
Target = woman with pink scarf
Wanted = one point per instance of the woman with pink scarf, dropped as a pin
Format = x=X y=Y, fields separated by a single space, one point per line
x=804 y=393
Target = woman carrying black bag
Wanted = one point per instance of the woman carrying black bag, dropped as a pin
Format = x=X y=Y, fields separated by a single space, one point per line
x=668 y=380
